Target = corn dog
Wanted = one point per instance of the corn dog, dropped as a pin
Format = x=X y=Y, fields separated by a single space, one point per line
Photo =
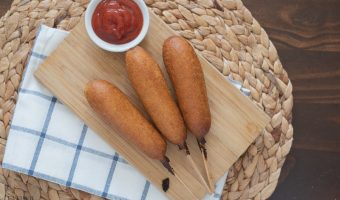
x=115 y=108
x=149 y=83
x=187 y=77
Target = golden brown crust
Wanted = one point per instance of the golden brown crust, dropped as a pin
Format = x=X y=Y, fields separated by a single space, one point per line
x=115 y=108
x=149 y=83
x=186 y=74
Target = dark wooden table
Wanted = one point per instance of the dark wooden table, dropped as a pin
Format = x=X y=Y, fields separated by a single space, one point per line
x=307 y=36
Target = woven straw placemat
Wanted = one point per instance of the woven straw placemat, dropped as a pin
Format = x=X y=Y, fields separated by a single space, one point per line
x=227 y=35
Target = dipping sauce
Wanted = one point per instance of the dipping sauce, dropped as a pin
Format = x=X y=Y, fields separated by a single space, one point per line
x=117 y=21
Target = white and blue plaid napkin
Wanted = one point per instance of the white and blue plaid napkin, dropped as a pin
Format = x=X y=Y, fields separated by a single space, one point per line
x=48 y=141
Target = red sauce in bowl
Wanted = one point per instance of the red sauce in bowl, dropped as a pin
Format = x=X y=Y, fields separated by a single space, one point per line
x=117 y=21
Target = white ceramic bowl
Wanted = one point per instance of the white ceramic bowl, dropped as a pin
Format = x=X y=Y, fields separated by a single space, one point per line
x=116 y=47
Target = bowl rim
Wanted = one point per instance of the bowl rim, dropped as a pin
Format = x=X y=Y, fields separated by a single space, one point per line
x=116 y=47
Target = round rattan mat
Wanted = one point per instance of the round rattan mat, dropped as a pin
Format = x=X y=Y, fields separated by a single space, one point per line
x=226 y=34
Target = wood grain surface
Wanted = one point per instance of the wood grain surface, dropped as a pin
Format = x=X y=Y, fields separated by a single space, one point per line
x=78 y=60
x=306 y=34
x=4 y=6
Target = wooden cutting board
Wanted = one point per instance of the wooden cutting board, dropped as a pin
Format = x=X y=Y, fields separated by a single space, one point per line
x=236 y=121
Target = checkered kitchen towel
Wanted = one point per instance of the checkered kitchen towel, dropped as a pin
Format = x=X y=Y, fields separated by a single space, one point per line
x=48 y=141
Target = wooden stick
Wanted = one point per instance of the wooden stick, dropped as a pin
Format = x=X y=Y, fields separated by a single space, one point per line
x=186 y=187
x=199 y=174
x=166 y=164
x=201 y=144
x=208 y=172
x=193 y=164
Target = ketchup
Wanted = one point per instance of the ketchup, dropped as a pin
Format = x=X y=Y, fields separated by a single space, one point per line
x=117 y=21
